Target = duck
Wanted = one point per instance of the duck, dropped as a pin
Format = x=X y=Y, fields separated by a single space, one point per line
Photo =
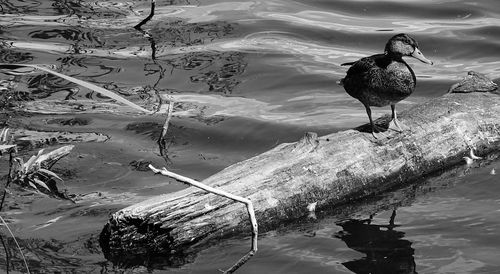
x=384 y=79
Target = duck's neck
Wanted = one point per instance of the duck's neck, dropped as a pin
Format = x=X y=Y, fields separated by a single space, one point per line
x=394 y=55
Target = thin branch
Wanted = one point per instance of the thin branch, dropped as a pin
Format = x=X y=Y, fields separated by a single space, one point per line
x=253 y=249
x=7 y=257
x=19 y=247
x=151 y=14
x=161 y=140
x=9 y=178
x=247 y=202
x=146 y=33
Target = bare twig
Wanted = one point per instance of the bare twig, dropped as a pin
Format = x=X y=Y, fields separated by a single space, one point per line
x=151 y=14
x=18 y=246
x=145 y=33
x=161 y=140
x=247 y=202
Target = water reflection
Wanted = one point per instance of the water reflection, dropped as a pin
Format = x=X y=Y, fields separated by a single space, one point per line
x=176 y=33
x=18 y=6
x=180 y=2
x=93 y=9
x=70 y=34
x=51 y=256
x=8 y=55
x=224 y=78
x=384 y=247
x=218 y=70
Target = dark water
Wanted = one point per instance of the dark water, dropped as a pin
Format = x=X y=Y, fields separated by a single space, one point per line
x=249 y=75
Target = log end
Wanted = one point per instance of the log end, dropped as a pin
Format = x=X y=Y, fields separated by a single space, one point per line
x=130 y=242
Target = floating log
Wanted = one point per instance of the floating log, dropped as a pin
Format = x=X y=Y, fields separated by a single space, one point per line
x=329 y=170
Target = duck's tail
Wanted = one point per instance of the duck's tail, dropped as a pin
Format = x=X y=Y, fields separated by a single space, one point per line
x=348 y=64
x=341 y=81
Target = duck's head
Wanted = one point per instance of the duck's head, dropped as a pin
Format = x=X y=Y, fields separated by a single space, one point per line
x=403 y=44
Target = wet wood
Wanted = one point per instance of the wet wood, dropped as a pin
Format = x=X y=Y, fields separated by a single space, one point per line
x=329 y=170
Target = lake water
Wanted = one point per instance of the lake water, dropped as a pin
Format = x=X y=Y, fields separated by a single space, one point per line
x=248 y=75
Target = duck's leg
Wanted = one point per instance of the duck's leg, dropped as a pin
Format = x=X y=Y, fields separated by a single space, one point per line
x=377 y=131
x=395 y=124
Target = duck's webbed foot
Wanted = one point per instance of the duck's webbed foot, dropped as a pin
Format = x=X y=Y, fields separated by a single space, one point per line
x=378 y=132
x=396 y=125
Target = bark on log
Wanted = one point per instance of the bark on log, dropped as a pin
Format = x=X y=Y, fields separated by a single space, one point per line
x=329 y=170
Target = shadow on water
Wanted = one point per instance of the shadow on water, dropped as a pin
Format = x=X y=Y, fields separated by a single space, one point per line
x=384 y=247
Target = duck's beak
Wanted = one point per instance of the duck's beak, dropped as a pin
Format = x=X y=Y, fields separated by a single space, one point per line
x=418 y=55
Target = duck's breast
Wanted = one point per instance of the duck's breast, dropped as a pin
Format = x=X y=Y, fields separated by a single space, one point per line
x=379 y=80
x=388 y=85
x=399 y=79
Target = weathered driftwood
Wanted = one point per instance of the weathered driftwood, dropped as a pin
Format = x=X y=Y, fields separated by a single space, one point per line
x=329 y=170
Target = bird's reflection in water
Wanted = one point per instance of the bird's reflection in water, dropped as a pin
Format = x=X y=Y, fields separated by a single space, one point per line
x=384 y=247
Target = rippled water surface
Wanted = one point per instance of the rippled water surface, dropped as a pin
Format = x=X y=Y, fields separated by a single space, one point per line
x=248 y=75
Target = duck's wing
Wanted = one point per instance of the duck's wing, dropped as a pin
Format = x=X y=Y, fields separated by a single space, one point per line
x=362 y=68
x=379 y=59
x=366 y=64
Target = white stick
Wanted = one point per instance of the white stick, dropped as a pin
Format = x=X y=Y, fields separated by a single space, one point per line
x=161 y=141
x=223 y=193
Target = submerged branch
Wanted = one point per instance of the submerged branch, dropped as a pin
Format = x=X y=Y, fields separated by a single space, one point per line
x=88 y=85
x=151 y=14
